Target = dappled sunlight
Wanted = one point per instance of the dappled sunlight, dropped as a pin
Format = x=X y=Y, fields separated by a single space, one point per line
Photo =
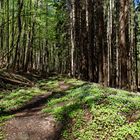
x=82 y=107
x=108 y=108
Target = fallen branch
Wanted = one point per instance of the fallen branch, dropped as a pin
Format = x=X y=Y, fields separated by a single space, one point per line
x=13 y=81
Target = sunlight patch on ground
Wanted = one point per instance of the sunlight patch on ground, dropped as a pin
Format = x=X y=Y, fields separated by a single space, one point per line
x=84 y=108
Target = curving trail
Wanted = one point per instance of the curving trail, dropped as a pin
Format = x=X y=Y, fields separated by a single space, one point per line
x=30 y=123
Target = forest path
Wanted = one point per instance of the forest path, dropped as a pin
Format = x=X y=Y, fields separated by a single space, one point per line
x=30 y=123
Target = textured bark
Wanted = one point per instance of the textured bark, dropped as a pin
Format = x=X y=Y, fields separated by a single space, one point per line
x=123 y=42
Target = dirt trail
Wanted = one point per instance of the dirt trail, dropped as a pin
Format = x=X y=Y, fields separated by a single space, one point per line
x=30 y=124
x=35 y=127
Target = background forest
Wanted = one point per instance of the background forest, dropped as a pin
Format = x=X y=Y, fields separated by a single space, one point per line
x=92 y=40
x=58 y=62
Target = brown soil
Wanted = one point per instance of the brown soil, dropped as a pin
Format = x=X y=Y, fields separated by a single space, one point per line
x=63 y=86
x=31 y=124
x=133 y=116
x=34 y=127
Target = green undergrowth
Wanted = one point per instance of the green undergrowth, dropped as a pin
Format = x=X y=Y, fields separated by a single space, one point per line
x=53 y=83
x=17 y=98
x=88 y=111
x=92 y=112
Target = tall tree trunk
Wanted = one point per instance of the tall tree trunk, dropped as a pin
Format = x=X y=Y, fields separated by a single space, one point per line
x=17 y=52
x=123 y=42
x=7 y=35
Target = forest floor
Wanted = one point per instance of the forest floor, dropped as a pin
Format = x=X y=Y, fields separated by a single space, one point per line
x=61 y=108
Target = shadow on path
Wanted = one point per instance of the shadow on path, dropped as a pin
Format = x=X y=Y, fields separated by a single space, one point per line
x=30 y=123
x=34 y=105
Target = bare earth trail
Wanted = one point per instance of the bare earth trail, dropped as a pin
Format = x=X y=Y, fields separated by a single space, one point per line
x=30 y=123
